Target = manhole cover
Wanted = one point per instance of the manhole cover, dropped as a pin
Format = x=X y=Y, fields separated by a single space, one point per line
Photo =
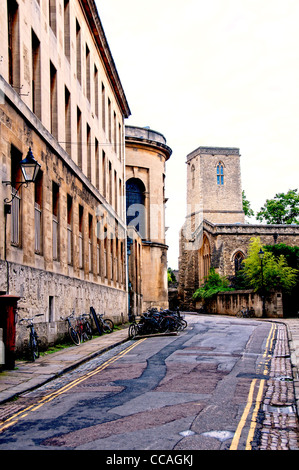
x=279 y=409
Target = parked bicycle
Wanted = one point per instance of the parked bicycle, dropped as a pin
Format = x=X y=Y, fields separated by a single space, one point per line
x=86 y=325
x=180 y=322
x=83 y=328
x=246 y=312
x=103 y=325
x=154 y=321
x=106 y=324
x=33 y=337
x=71 y=330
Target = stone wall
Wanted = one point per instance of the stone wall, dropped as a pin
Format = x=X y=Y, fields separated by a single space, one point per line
x=228 y=239
x=225 y=240
x=229 y=303
x=56 y=296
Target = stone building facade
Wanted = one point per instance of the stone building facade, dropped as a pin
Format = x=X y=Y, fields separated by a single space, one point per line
x=214 y=186
x=63 y=247
x=214 y=233
x=146 y=155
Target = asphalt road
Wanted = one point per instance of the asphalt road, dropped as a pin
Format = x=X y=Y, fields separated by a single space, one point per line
x=195 y=391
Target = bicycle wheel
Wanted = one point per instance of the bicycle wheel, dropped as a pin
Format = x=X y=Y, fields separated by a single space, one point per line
x=74 y=336
x=88 y=330
x=239 y=314
x=106 y=327
x=251 y=312
x=168 y=324
x=183 y=324
x=110 y=323
x=34 y=347
x=132 y=330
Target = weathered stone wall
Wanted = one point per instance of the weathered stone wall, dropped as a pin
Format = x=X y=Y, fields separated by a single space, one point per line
x=74 y=122
x=41 y=291
x=228 y=239
x=229 y=303
x=219 y=203
x=225 y=241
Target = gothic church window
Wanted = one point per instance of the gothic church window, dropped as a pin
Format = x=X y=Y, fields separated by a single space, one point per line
x=238 y=260
x=206 y=257
x=220 y=174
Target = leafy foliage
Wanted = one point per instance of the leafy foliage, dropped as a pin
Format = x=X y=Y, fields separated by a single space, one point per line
x=213 y=284
x=276 y=274
x=170 y=276
x=282 y=209
x=291 y=253
x=246 y=206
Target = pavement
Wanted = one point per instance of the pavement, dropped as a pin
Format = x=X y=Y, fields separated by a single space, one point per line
x=27 y=376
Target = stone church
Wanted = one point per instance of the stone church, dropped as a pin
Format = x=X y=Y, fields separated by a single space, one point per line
x=215 y=233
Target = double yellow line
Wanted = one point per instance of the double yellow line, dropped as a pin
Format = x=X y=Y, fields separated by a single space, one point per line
x=47 y=398
x=250 y=400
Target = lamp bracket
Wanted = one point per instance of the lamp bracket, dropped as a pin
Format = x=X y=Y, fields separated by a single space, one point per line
x=9 y=183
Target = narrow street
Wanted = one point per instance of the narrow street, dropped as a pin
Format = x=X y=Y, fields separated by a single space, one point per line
x=223 y=383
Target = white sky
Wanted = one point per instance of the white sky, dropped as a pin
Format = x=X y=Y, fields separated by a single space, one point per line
x=212 y=73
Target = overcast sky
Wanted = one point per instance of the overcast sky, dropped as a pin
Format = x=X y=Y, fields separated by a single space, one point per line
x=212 y=73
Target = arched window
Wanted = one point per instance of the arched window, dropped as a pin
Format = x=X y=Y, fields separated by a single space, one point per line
x=220 y=174
x=135 y=208
x=206 y=254
x=238 y=260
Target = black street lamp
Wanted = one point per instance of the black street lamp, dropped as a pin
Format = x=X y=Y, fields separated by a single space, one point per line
x=30 y=168
x=261 y=256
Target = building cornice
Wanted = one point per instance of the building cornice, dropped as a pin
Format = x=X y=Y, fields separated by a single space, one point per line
x=251 y=229
x=146 y=137
x=91 y=12
x=232 y=151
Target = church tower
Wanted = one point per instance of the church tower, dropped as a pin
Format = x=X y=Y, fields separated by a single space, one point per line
x=214 y=190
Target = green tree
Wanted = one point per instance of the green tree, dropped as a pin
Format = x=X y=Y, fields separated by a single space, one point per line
x=213 y=284
x=276 y=273
x=282 y=209
x=170 y=276
x=291 y=253
x=246 y=206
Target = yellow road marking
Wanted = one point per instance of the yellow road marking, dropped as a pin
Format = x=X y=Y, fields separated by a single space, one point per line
x=235 y=441
x=242 y=422
x=254 y=415
x=47 y=398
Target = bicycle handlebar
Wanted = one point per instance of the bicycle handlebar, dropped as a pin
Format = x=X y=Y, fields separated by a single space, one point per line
x=31 y=319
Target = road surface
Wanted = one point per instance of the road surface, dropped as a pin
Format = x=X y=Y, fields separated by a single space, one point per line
x=200 y=390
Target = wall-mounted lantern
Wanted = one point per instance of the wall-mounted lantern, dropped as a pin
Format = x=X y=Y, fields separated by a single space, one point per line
x=30 y=168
